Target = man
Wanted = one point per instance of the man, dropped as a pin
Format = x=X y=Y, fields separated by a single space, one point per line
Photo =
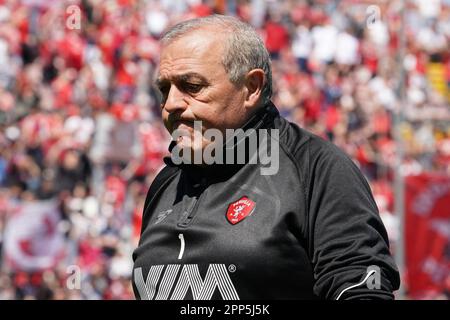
x=227 y=231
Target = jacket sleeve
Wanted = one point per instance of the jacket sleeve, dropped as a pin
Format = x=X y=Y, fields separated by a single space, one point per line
x=348 y=242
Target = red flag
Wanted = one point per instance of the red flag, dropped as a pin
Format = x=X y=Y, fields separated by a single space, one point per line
x=427 y=234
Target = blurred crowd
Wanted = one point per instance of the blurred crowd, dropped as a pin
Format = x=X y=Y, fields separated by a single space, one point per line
x=80 y=118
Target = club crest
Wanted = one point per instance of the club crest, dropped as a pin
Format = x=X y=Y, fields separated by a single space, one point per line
x=240 y=209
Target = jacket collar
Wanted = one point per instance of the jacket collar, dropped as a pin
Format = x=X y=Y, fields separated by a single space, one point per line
x=262 y=119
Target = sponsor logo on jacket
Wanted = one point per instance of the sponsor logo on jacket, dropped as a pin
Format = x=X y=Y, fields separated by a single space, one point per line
x=175 y=280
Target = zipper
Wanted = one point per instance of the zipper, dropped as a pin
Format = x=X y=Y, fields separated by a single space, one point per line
x=189 y=214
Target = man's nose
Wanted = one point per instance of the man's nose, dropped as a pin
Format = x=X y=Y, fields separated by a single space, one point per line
x=175 y=100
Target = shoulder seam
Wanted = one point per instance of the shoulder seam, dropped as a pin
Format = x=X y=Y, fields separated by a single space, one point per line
x=303 y=177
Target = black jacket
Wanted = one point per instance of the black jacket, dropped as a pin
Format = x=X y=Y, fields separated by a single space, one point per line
x=313 y=231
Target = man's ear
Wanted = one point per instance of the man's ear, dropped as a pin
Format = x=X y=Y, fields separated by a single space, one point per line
x=254 y=82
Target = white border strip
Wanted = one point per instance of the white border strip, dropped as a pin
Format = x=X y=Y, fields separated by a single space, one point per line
x=358 y=284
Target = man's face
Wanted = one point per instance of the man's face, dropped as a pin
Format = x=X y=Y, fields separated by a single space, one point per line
x=196 y=87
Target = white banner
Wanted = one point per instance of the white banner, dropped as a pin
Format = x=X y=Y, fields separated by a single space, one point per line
x=31 y=238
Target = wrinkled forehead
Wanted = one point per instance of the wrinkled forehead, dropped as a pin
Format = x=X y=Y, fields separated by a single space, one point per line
x=198 y=51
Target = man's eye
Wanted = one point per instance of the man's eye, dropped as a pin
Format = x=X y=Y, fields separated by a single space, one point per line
x=192 y=87
x=164 y=91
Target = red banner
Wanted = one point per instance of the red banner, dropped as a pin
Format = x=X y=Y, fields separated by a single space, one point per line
x=427 y=235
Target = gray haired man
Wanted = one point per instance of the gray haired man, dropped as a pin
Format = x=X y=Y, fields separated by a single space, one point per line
x=224 y=230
